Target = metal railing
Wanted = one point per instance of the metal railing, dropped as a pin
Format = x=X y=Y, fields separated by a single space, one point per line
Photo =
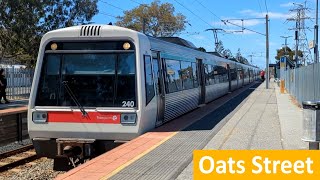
x=304 y=82
x=19 y=82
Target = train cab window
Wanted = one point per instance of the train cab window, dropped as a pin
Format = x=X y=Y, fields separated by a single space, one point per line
x=186 y=75
x=90 y=77
x=149 y=80
x=49 y=86
x=126 y=71
x=96 y=80
x=174 y=82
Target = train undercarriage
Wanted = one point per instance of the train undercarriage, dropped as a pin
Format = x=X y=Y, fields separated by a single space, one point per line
x=71 y=152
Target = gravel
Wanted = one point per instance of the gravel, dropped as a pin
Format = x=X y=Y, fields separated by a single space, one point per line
x=15 y=145
x=41 y=169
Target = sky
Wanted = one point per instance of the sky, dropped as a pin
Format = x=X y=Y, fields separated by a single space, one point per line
x=205 y=14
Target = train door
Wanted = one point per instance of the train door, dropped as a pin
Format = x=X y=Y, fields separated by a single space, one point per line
x=200 y=71
x=243 y=76
x=240 y=77
x=249 y=75
x=159 y=86
x=229 y=76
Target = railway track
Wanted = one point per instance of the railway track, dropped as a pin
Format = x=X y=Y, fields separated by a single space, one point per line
x=17 y=157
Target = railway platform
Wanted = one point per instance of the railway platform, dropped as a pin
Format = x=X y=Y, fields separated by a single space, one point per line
x=13 y=104
x=249 y=118
x=13 y=122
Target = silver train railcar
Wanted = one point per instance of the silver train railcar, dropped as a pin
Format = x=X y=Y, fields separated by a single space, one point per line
x=98 y=83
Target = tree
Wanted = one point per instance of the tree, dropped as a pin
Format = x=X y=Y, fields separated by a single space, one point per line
x=238 y=55
x=227 y=53
x=289 y=53
x=23 y=22
x=202 y=49
x=240 y=58
x=156 y=19
x=219 y=47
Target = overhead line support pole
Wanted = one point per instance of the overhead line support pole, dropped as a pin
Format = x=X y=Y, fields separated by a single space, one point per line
x=267 y=52
x=316 y=37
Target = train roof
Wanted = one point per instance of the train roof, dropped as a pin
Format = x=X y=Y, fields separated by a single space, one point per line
x=179 y=41
x=99 y=30
x=161 y=45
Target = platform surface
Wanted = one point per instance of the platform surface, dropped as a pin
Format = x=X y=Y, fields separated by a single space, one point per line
x=245 y=119
x=15 y=106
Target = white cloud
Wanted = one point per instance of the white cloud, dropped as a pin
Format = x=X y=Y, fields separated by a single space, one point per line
x=289 y=4
x=199 y=37
x=272 y=15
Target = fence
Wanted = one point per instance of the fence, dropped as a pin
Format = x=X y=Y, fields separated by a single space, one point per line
x=304 y=82
x=19 y=82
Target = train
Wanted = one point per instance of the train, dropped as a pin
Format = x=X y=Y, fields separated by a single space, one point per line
x=98 y=84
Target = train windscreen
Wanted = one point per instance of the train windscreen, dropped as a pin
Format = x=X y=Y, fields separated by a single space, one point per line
x=95 y=79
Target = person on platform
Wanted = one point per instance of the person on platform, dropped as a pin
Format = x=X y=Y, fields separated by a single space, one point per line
x=262 y=75
x=3 y=86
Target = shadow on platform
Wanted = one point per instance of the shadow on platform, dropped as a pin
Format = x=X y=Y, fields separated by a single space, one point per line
x=209 y=121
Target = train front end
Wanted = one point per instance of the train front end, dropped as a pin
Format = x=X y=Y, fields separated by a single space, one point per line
x=85 y=90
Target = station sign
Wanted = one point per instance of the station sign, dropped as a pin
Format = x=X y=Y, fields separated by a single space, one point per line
x=311 y=44
x=170 y=72
x=283 y=61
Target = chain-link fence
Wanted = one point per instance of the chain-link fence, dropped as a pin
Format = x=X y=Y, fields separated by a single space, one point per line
x=304 y=82
x=19 y=82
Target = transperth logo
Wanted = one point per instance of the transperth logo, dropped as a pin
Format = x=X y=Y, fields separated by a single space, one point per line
x=114 y=117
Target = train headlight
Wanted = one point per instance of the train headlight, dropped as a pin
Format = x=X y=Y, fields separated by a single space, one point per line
x=39 y=117
x=126 y=46
x=128 y=118
x=54 y=46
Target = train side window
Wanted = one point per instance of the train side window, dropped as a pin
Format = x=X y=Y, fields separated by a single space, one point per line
x=174 y=82
x=220 y=74
x=211 y=74
x=206 y=73
x=186 y=75
x=195 y=73
x=149 y=79
x=233 y=73
x=245 y=73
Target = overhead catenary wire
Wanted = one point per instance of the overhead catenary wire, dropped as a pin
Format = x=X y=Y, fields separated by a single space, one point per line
x=265 y=3
x=209 y=10
x=112 y=5
x=138 y=3
x=260 y=6
x=211 y=13
x=106 y=14
x=193 y=13
x=244 y=28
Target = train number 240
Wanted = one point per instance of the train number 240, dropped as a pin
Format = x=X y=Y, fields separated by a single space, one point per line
x=127 y=103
